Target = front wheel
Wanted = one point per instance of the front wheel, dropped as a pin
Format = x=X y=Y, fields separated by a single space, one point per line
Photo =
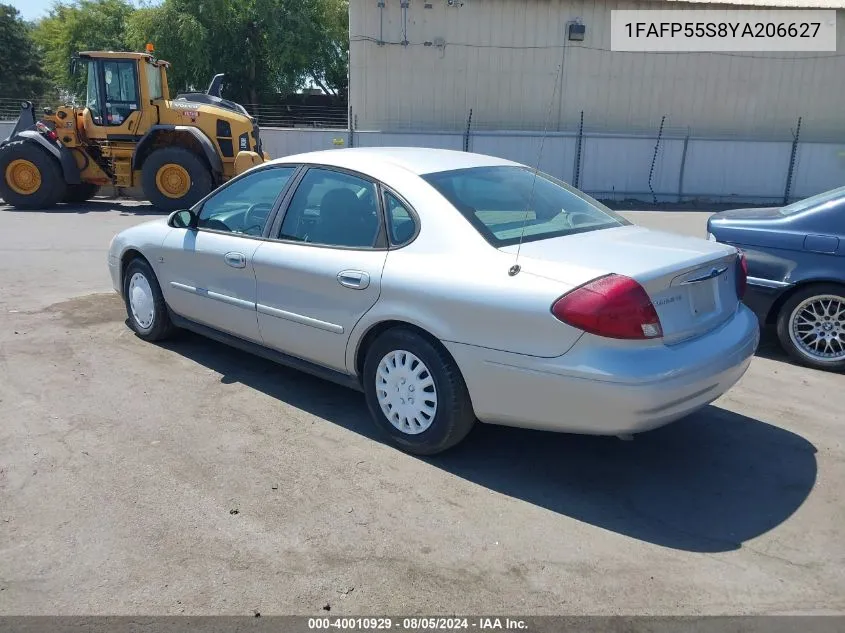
x=415 y=393
x=811 y=326
x=30 y=178
x=145 y=306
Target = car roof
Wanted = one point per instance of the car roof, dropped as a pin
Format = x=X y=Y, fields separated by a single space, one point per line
x=418 y=160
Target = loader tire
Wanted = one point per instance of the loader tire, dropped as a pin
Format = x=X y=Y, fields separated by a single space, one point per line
x=29 y=177
x=81 y=192
x=175 y=178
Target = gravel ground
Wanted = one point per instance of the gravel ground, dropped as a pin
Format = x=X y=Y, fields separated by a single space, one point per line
x=189 y=478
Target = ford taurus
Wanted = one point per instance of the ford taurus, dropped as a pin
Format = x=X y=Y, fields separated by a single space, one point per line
x=450 y=288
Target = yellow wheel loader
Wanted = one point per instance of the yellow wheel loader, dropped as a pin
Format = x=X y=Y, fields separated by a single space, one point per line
x=130 y=134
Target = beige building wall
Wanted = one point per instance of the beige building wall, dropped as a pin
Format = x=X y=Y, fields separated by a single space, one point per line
x=500 y=58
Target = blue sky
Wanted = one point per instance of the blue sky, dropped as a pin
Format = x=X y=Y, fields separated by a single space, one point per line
x=34 y=9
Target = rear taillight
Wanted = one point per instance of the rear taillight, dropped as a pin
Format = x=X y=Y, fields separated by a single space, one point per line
x=741 y=275
x=613 y=306
x=46 y=131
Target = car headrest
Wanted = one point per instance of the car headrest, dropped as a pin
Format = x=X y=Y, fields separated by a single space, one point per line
x=340 y=204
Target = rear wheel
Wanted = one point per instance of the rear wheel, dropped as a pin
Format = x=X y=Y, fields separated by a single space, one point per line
x=175 y=178
x=145 y=305
x=29 y=177
x=81 y=192
x=811 y=326
x=415 y=393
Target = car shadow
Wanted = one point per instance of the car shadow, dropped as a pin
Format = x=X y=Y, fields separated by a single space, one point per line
x=770 y=347
x=707 y=483
x=101 y=205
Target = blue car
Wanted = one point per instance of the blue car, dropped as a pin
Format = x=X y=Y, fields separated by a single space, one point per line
x=796 y=272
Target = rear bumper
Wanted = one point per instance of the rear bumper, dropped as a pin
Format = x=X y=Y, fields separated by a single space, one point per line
x=608 y=388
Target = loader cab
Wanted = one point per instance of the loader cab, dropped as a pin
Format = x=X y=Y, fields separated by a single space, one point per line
x=121 y=91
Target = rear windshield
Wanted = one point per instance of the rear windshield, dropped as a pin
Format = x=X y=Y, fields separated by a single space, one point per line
x=507 y=203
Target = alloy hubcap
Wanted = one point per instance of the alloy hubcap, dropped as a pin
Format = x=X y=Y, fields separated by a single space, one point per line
x=141 y=300
x=817 y=328
x=406 y=392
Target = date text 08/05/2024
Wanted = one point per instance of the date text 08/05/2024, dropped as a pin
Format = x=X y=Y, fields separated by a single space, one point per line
x=417 y=624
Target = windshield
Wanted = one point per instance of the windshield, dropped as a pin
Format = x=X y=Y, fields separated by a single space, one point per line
x=92 y=100
x=832 y=196
x=505 y=204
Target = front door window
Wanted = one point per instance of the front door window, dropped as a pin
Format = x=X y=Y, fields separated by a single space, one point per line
x=244 y=205
x=120 y=78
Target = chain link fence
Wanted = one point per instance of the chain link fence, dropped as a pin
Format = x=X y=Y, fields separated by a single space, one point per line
x=273 y=115
x=663 y=164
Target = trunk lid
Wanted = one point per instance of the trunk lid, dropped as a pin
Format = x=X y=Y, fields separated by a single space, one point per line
x=691 y=281
x=759 y=213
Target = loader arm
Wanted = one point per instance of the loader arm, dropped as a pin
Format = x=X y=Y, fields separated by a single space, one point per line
x=26 y=120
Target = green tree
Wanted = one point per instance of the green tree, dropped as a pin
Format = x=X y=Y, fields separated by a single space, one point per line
x=22 y=73
x=179 y=38
x=264 y=47
x=79 y=26
x=330 y=65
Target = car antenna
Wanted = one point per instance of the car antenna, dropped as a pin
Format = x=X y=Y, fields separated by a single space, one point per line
x=513 y=270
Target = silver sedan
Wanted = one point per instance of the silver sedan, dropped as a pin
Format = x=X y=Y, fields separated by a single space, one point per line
x=450 y=288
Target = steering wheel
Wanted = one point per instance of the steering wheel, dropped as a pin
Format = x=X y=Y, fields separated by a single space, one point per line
x=578 y=218
x=255 y=221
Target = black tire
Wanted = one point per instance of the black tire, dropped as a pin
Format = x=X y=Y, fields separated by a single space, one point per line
x=453 y=418
x=785 y=323
x=201 y=182
x=160 y=325
x=80 y=193
x=52 y=187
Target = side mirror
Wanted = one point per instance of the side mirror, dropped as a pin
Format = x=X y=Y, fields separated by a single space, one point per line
x=184 y=219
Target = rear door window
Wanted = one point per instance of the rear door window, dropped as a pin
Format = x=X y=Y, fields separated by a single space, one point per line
x=154 y=81
x=333 y=208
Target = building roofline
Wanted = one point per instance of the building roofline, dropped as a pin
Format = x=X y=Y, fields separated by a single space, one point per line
x=769 y=4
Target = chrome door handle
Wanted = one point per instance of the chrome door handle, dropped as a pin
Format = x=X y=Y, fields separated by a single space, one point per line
x=356 y=279
x=235 y=260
